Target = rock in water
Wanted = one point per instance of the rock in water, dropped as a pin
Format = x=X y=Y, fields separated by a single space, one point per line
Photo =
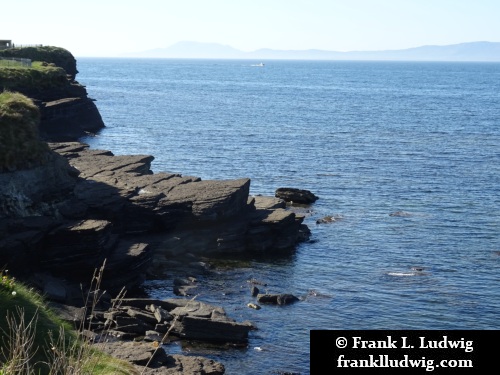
x=277 y=299
x=296 y=195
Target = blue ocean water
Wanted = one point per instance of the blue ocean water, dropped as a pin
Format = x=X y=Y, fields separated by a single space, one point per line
x=370 y=139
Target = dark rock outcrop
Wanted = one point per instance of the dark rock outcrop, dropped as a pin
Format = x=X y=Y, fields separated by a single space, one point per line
x=277 y=299
x=293 y=195
x=25 y=191
x=193 y=215
x=27 y=208
x=69 y=118
x=329 y=219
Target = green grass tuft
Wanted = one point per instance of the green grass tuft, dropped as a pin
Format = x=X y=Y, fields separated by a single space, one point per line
x=20 y=145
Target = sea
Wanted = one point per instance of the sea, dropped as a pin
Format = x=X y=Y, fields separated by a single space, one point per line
x=405 y=156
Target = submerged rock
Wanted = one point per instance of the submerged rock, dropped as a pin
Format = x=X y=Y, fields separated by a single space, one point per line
x=400 y=214
x=328 y=219
x=277 y=299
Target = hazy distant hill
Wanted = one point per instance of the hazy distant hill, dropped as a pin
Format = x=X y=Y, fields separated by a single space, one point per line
x=474 y=51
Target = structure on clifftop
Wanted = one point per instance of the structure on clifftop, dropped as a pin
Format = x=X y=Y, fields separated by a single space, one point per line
x=5 y=44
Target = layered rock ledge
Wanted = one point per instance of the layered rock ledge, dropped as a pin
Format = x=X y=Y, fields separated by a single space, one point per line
x=136 y=330
x=84 y=206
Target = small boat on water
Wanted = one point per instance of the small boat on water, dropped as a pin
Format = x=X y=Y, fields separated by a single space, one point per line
x=260 y=64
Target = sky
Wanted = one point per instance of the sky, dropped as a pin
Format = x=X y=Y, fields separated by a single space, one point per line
x=109 y=28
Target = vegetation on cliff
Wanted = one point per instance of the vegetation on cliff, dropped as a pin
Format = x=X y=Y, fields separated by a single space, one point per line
x=41 y=76
x=33 y=340
x=66 y=111
x=20 y=145
x=52 y=55
x=49 y=77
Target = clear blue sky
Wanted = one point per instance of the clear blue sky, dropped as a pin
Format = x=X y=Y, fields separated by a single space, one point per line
x=112 y=27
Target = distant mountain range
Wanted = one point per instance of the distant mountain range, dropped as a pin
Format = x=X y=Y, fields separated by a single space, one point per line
x=473 y=51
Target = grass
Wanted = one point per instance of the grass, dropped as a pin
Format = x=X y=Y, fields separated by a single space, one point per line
x=15 y=296
x=16 y=105
x=34 y=341
x=20 y=145
x=40 y=76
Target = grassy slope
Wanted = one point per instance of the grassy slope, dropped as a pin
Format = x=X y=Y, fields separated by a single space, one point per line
x=32 y=304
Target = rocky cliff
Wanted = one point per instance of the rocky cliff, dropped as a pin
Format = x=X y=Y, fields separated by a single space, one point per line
x=67 y=112
x=79 y=207
x=67 y=210
x=83 y=206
